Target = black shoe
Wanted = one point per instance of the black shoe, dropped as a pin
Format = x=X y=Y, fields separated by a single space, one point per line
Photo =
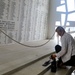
x=46 y=63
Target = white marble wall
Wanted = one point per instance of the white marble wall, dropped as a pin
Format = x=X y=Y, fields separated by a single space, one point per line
x=23 y=20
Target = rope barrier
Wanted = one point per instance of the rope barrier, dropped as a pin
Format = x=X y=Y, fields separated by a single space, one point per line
x=24 y=44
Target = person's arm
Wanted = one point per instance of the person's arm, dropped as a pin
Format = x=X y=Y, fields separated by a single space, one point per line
x=64 y=48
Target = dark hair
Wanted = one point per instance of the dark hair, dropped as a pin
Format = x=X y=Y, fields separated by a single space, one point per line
x=60 y=28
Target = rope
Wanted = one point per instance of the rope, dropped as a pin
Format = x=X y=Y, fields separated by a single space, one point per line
x=24 y=44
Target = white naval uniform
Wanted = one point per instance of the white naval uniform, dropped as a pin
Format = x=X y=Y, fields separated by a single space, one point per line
x=68 y=47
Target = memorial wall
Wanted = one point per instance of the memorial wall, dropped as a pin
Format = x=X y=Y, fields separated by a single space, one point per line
x=23 y=20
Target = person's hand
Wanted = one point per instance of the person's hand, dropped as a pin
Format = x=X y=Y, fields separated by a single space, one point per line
x=53 y=56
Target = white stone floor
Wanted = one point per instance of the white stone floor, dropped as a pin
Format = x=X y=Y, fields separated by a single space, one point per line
x=33 y=69
x=58 y=72
x=37 y=68
x=15 y=55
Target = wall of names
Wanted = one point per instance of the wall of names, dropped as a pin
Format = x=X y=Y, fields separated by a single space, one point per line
x=23 y=20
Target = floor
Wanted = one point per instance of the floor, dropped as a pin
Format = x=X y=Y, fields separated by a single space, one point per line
x=15 y=55
x=58 y=72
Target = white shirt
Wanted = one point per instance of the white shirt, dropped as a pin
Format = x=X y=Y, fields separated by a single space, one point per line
x=68 y=47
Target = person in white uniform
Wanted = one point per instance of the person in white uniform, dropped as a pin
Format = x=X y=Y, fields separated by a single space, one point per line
x=67 y=52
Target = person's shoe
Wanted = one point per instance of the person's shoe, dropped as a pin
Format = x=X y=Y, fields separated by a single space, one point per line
x=62 y=66
x=46 y=63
